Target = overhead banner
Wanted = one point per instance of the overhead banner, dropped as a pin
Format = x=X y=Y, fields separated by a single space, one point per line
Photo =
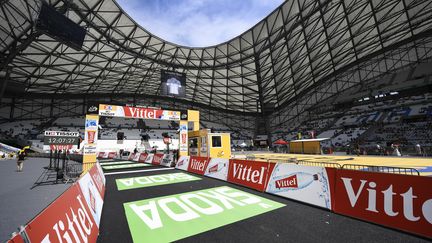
x=138 y=112
x=252 y=174
x=400 y=201
x=308 y=184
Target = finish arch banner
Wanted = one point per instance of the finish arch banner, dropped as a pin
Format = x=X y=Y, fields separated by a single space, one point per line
x=252 y=174
x=308 y=184
x=218 y=168
x=183 y=163
x=403 y=202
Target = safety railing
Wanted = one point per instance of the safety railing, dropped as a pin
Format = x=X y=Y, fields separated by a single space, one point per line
x=382 y=169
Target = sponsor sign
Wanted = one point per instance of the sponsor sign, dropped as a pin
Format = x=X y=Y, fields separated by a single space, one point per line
x=101 y=154
x=183 y=138
x=149 y=159
x=153 y=180
x=167 y=160
x=125 y=166
x=138 y=112
x=309 y=184
x=174 y=217
x=91 y=123
x=112 y=155
x=131 y=156
x=61 y=134
x=67 y=219
x=252 y=174
x=218 y=168
x=98 y=177
x=142 y=157
x=400 y=201
x=183 y=163
x=136 y=157
x=92 y=196
x=157 y=159
x=198 y=165
x=89 y=149
x=93 y=109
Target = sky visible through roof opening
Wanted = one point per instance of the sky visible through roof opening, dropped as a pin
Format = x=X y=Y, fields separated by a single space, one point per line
x=198 y=23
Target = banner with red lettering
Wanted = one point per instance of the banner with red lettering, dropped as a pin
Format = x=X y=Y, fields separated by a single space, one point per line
x=252 y=174
x=131 y=156
x=157 y=159
x=400 y=201
x=142 y=157
x=218 y=168
x=198 y=165
x=149 y=159
x=308 y=184
x=101 y=155
x=67 y=219
x=138 y=112
x=183 y=163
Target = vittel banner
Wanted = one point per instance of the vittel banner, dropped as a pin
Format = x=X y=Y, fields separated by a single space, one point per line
x=157 y=159
x=149 y=159
x=167 y=160
x=198 y=165
x=309 y=184
x=67 y=219
x=399 y=201
x=218 y=168
x=112 y=155
x=248 y=173
x=142 y=157
x=101 y=154
x=183 y=163
x=138 y=112
x=131 y=156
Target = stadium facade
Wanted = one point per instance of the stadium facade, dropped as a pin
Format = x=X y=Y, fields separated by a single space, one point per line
x=306 y=58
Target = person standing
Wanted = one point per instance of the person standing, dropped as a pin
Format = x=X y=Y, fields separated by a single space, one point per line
x=20 y=161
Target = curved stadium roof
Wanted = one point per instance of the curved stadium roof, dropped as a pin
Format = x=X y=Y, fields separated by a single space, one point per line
x=275 y=62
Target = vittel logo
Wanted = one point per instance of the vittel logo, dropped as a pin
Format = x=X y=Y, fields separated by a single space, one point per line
x=289 y=182
x=247 y=173
x=76 y=228
x=198 y=165
x=142 y=113
x=368 y=189
x=213 y=168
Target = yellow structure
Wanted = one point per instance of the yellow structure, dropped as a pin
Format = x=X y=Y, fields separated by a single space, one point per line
x=306 y=146
x=203 y=143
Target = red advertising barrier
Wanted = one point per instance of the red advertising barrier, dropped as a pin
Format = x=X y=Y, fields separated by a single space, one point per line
x=101 y=154
x=400 y=201
x=131 y=156
x=252 y=174
x=198 y=165
x=112 y=155
x=68 y=219
x=16 y=239
x=157 y=159
x=142 y=157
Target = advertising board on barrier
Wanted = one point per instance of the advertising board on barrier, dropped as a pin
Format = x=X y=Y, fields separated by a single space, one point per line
x=400 y=201
x=142 y=157
x=99 y=179
x=252 y=174
x=167 y=160
x=157 y=159
x=198 y=165
x=112 y=155
x=136 y=157
x=67 y=219
x=217 y=168
x=101 y=155
x=131 y=156
x=183 y=163
x=149 y=159
x=309 y=184
x=92 y=196
x=183 y=137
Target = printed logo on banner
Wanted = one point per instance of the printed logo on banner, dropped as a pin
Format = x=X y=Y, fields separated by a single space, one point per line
x=89 y=149
x=112 y=155
x=142 y=157
x=149 y=159
x=154 y=180
x=98 y=179
x=309 y=184
x=67 y=219
x=167 y=160
x=157 y=159
x=183 y=138
x=131 y=156
x=218 y=168
x=159 y=219
x=252 y=174
x=101 y=154
x=183 y=163
x=111 y=110
x=92 y=196
x=198 y=165
x=91 y=123
x=399 y=201
x=136 y=157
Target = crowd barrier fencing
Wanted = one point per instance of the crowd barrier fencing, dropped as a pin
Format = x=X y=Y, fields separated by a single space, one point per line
x=382 y=169
x=372 y=195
